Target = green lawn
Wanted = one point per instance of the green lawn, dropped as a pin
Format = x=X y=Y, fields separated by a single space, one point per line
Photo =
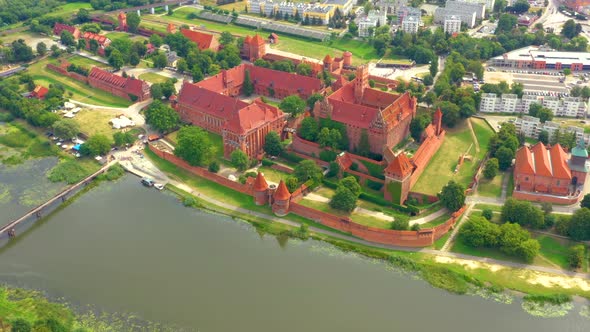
x=495 y=208
x=153 y=78
x=441 y=168
x=216 y=139
x=272 y=174
x=361 y=50
x=85 y=62
x=555 y=250
x=491 y=188
x=69 y=9
x=462 y=248
x=95 y=122
x=437 y=221
x=359 y=218
x=80 y=91
x=124 y=35
x=438 y=244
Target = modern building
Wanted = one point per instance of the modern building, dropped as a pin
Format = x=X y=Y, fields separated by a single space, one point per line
x=467 y=12
x=391 y=6
x=526 y=20
x=452 y=24
x=382 y=116
x=489 y=4
x=509 y=103
x=320 y=12
x=128 y=88
x=370 y=22
x=411 y=24
x=535 y=57
x=530 y=126
x=345 y=6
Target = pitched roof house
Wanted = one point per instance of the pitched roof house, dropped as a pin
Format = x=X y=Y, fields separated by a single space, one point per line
x=128 y=88
x=203 y=40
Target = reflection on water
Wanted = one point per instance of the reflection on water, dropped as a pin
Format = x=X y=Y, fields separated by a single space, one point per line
x=128 y=249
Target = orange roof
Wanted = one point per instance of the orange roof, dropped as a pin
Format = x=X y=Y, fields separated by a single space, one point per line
x=257 y=40
x=252 y=116
x=122 y=15
x=327 y=59
x=102 y=40
x=40 y=92
x=247 y=40
x=203 y=40
x=438 y=113
x=541 y=159
x=559 y=163
x=524 y=161
x=282 y=192
x=260 y=183
x=400 y=166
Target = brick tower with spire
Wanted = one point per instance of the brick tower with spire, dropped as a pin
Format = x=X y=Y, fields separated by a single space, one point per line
x=281 y=198
x=398 y=179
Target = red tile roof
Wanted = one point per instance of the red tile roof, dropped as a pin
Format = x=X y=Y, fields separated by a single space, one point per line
x=524 y=161
x=252 y=116
x=327 y=59
x=39 y=92
x=260 y=183
x=203 y=40
x=102 y=40
x=209 y=101
x=130 y=85
x=541 y=159
x=400 y=166
x=59 y=27
x=282 y=80
x=257 y=40
x=559 y=164
x=282 y=193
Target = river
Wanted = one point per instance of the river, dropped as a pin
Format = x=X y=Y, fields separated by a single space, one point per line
x=124 y=248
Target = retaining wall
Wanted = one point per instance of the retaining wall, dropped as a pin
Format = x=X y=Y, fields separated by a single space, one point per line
x=533 y=197
x=70 y=74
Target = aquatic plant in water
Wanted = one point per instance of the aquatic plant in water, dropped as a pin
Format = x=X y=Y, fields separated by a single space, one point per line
x=5 y=195
x=585 y=311
x=547 y=309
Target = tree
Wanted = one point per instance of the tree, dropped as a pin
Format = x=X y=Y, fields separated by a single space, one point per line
x=417 y=126
x=523 y=213
x=452 y=196
x=123 y=138
x=161 y=117
x=544 y=137
x=197 y=74
x=303 y=69
x=67 y=38
x=333 y=170
x=545 y=114
x=478 y=232
x=134 y=59
x=511 y=236
x=213 y=166
x=585 y=203
x=83 y=15
x=504 y=156
x=293 y=105
x=226 y=38
x=309 y=129
x=428 y=80
x=576 y=256
x=240 y=160
x=400 y=224
x=505 y=23
x=160 y=60
x=579 y=225
x=66 y=128
x=272 y=144
x=313 y=99
x=248 y=86
x=116 y=59
x=571 y=29
x=528 y=250
x=491 y=168
x=521 y=6
x=343 y=199
x=97 y=145
x=567 y=72
x=41 y=48
x=292 y=183
x=451 y=113
x=351 y=184
x=20 y=325
x=353 y=28
x=168 y=88
x=156 y=91
x=156 y=40
x=194 y=146
x=133 y=21
x=307 y=170
x=487 y=213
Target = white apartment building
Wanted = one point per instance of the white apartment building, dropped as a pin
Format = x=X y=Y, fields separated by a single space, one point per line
x=509 y=103
x=287 y=8
x=467 y=12
x=411 y=24
x=373 y=19
x=378 y=16
x=391 y=6
x=256 y=6
x=488 y=3
x=345 y=6
x=528 y=125
x=452 y=24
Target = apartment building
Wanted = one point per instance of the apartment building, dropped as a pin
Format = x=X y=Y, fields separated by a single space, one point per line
x=452 y=24
x=528 y=125
x=411 y=24
x=373 y=19
x=467 y=12
x=509 y=103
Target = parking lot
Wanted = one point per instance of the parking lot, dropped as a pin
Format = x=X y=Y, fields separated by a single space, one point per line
x=535 y=82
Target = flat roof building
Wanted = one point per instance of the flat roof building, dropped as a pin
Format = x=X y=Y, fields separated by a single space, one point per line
x=535 y=57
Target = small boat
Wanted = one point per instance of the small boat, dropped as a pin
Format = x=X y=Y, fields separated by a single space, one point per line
x=147 y=182
x=158 y=186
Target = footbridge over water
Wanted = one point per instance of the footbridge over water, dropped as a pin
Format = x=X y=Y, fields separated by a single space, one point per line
x=10 y=228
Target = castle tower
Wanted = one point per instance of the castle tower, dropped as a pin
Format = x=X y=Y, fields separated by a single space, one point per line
x=346 y=59
x=122 y=17
x=171 y=28
x=281 y=198
x=260 y=189
x=361 y=82
x=257 y=48
x=437 y=121
x=398 y=176
x=328 y=63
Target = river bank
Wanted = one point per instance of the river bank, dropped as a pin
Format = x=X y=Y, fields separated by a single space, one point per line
x=451 y=273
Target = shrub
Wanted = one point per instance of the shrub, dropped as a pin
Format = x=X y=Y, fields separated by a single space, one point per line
x=68 y=171
x=576 y=256
x=415 y=227
x=328 y=155
x=189 y=201
x=374 y=185
x=562 y=225
x=400 y=224
x=374 y=170
x=291 y=157
x=333 y=170
x=549 y=298
x=214 y=166
x=354 y=166
x=267 y=162
x=442 y=277
x=487 y=213
x=329 y=184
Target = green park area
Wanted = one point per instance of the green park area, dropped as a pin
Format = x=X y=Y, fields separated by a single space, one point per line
x=124 y=35
x=458 y=141
x=492 y=187
x=78 y=91
x=153 y=78
x=96 y=121
x=361 y=50
x=69 y=9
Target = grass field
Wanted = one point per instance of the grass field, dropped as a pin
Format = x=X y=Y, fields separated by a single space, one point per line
x=462 y=248
x=80 y=91
x=272 y=174
x=359 y=218
x=493 y=187
x=441 y=168
x=216 y=139
x=361 y=50
x=556 y=251
x=435 y=222
x=95 y=122
x=69 y=9
x=85 y=62
x=153 y=78
x=124 y=35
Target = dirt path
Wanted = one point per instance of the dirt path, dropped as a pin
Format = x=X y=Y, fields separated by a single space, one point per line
x=473 y=135
x=458 y=225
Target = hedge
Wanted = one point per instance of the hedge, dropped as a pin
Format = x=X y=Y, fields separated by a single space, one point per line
x=328 y=155
x=267 y=162
x=383 y=202
x=374 y=170
x=291 y=157
x=330 y=184
x=374 y=185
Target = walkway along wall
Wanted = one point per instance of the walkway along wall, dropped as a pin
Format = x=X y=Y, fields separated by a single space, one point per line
x=421 y=238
